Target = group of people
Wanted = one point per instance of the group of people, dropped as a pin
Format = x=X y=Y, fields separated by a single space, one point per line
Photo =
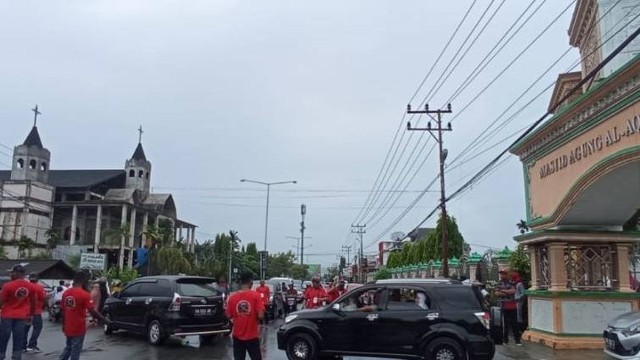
x=22 y=301
x=510 y=292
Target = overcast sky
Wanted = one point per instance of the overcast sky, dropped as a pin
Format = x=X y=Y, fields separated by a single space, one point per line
x=274 y=91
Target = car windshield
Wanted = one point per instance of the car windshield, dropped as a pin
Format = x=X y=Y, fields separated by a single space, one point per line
x=197 y=288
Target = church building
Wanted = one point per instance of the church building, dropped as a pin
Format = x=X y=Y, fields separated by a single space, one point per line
x=99 y=211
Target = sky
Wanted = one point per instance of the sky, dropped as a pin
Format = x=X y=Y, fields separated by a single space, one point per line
x=283 y=90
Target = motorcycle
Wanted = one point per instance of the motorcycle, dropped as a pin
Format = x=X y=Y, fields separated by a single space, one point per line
x=55 y=312
x=291 y=304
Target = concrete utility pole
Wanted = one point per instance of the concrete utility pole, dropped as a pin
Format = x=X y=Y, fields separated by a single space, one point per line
x=359 y=229
x=348 y=250
x=303 y=212
x=443 y=155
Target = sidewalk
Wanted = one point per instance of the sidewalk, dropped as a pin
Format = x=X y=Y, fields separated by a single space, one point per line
x=539 y=352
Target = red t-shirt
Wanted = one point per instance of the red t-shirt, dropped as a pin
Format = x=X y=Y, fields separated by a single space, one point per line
x=17 y=297
x=264 y=293
x=315 y=297
x=243 y=309
x=75 y=304
x=335 y=293
x=41 y=297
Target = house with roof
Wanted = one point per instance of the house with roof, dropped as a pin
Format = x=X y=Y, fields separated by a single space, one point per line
x=82 y=205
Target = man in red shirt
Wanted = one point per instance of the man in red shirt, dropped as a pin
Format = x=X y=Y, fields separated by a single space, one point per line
x=336 y=291
x=315 y=295
x=36 y=319
x=245 y=309
x=75 y=303
x=18 y=302
x=265 y=295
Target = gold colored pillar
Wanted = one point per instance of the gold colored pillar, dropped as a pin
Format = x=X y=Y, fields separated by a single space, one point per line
x=556 y=263
x=622 y=259
x=534 y=258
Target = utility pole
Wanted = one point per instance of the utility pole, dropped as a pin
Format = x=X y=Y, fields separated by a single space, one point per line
x=359 y=229
x=303 y=212
x=348 y=258
x=443 y=155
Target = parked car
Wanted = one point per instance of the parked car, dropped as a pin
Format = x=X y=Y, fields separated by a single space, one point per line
x=164 y=306
x=410 y=319
x=275 y=308
x=622 y=336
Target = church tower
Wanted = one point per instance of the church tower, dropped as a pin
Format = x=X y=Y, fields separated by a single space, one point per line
x=138 y=169
x=31 y=159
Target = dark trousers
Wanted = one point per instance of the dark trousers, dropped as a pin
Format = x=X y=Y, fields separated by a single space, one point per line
x=510 y=320
x=9 y=328
x=73 y=348
x=242 y=347
x=36 y=321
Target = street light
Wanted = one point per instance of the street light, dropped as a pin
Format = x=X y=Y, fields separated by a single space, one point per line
x=266 y=218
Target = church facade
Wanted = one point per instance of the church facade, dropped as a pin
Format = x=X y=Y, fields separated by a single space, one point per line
x=100 y=211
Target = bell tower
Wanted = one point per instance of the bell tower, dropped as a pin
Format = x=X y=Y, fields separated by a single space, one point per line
x=30 y=159
x=138 y=169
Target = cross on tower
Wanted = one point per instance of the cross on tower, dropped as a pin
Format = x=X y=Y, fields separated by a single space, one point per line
x=140 y=134
x=35 y=115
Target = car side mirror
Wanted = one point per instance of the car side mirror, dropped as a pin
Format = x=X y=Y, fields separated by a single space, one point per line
x=336 y=307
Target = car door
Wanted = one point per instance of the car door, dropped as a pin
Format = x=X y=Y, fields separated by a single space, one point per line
x=121 y=312
x=366 y=319
x=140 y=303
x=407 y=315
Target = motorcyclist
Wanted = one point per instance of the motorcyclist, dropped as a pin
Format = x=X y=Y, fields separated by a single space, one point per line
x=291 y=301
x=291 y=291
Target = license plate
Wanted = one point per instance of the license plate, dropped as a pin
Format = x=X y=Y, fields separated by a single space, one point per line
x=203 y=311
x=610 y=343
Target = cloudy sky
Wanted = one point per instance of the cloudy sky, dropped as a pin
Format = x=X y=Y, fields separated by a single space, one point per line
x=282 y=90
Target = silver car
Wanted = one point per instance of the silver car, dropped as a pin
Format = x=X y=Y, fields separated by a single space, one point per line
x=622 y=336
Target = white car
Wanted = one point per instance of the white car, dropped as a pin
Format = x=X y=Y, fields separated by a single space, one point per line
x=622 y=336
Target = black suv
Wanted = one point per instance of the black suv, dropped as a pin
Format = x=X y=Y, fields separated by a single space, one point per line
x=164 y=306
x=409 y=318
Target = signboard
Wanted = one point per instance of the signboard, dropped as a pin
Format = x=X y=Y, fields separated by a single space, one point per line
x=314 y=269
x=93 y=261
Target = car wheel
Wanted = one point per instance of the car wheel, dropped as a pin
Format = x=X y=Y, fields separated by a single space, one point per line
x=301 y=347
x=155 y=333
x=445 y=349
x=108 y=329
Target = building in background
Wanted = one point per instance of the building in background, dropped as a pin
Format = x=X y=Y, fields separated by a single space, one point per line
x=87 y=208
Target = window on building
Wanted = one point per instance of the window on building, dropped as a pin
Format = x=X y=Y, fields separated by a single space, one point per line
x=147 y=175
x=20 y=164
x=132 y=173
x=140 y=173
x=43 y=166
x=33 y=164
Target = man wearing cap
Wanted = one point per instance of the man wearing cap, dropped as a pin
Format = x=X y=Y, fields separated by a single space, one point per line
x=36 y=320
x=505 y=292
x=18 y=305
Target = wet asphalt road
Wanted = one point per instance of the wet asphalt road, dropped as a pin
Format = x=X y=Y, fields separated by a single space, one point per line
x=125 y=346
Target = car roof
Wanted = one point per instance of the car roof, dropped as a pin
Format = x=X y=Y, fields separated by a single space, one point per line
x=418 y=281
x=172 y=277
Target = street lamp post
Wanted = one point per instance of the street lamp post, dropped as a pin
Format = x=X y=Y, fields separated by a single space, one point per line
x=266 y=217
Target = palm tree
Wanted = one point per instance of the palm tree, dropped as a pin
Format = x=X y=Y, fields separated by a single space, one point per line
x=53 y=239
x=114 y=236
x=25 y=244
x=152 y=235
x=522 y=226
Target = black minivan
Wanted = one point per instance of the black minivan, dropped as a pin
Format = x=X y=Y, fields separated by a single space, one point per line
x=164 y=306
x=407 y=318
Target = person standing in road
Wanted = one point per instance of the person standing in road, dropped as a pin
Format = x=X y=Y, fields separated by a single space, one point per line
x=336 y=291
x=245 y=309
x=36 y=320
x=505 y=291
x=75 y=303
x=265 y=295
x=315 y=295
x=18 y=305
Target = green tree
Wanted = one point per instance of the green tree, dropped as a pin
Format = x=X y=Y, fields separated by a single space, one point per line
x=382 y=274
x=299 y=271
x=395 y=259
x=519 y=261
x=407 y=253
x=53 y=239
x=74 y=260
x=114 y=236
x=456 y=241
x=171 y=261
x=25 y=244
x=279 y=264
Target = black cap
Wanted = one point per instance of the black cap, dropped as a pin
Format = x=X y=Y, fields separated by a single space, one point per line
x=33 y=276
x=17 y=268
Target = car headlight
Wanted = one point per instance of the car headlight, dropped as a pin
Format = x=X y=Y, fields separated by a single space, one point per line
x=633 y=330
x=290 y=318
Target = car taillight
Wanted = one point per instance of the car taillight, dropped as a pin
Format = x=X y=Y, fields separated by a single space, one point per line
x=485 y=319
x=175 y=304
